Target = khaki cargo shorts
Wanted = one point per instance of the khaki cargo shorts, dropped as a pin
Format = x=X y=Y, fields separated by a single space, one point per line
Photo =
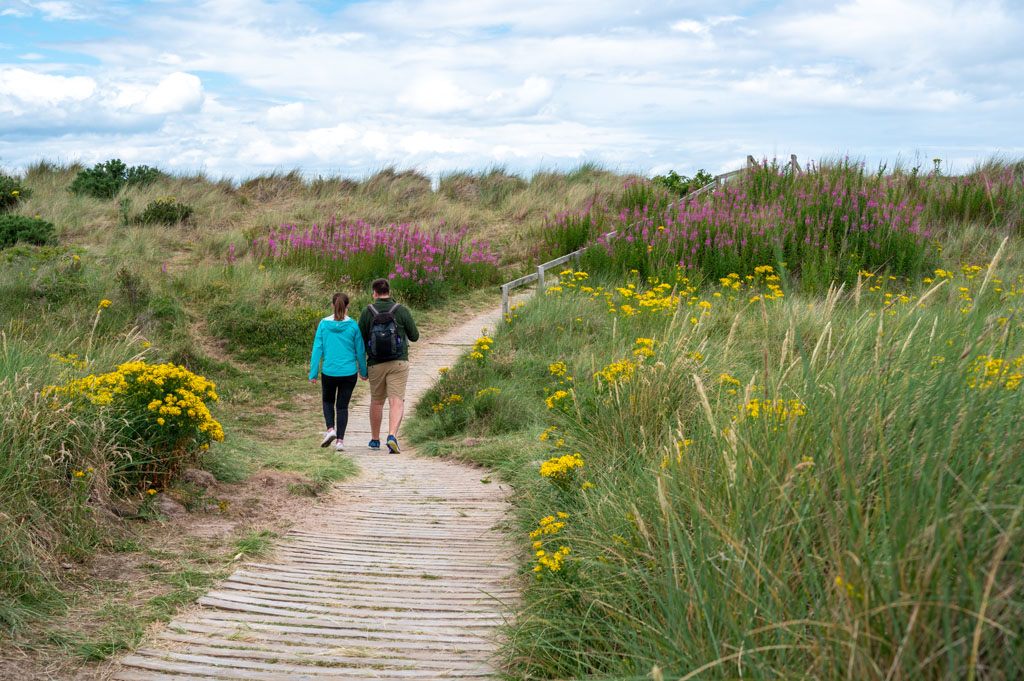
x=388 y=379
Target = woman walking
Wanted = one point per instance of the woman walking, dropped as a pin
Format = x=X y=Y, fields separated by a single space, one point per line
x=339 y=343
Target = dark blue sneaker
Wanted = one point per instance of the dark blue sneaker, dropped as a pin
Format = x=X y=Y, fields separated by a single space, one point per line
x=374 y=444
x=393 y=444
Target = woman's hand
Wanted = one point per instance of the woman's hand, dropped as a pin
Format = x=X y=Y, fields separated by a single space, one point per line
x=313 y=381
x=363 y=378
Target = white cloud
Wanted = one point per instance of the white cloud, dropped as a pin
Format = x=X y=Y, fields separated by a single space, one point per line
x=176 y=93
x=902 y=32
x=820 y=86
x=40 y=101
x=59 y=10
x=30 y=88
x=422 y=142
x=690 y=26
x=31 y=56
x=525 y=99
x=286 y=115
x=436 y=93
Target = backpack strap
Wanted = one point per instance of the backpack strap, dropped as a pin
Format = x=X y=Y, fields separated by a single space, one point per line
x=393 y=308
x=375 y=310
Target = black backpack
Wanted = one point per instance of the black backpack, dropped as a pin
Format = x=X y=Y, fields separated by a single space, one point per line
x=385 y=343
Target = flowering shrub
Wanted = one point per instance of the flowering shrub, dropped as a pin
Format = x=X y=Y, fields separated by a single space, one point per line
x=562 y=470
x=447 y=402
x=548 y=527
x=164 y=405
x=420 y=265
x=481 y=347
x=554 y=398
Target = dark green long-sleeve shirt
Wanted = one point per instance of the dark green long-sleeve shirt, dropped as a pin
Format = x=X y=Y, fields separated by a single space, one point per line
x=407 y=330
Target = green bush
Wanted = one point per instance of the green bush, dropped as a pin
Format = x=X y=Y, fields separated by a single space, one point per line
x=681 y=184
x=105 y=180
x=11 y=192
x=164 y=211
x=19 y=228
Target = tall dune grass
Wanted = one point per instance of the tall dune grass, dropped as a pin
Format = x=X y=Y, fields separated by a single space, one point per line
x=773 y=485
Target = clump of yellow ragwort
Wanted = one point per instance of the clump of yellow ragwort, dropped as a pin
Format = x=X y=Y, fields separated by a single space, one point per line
x=481 y=347
x=549 y=563
x=561 y=470
x=164 y=403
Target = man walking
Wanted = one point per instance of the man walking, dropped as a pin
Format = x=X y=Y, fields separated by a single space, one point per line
x=387 y=329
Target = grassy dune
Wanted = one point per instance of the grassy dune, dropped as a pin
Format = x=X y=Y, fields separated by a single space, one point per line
x=189 y=293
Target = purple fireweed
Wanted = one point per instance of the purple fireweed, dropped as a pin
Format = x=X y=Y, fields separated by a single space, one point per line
x=417 y=261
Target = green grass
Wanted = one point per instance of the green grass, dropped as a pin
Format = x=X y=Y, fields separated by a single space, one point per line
x=256 y=544
x=856 y=527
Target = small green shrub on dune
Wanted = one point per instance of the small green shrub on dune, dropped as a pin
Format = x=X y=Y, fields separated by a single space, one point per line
x=164 y=211
x=681 y=184
x=105 y=180
x=19 y=228
x=11 y=192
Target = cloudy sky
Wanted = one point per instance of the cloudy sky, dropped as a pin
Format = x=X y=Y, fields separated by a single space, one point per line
x=239 y=87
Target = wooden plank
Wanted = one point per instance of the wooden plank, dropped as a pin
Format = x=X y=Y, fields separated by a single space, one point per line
x=437 y=602
x=300 y=610
x=229 y=600
x=335 y=628
x=346 y=670
x=448 y=596
x=350 y=655
x=424 y=579
x=330 y=638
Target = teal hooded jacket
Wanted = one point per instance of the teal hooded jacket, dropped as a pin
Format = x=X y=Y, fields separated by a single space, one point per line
x=341 y=346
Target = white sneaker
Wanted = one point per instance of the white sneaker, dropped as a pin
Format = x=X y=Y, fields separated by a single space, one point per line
x=340 y=447
x=329 y=437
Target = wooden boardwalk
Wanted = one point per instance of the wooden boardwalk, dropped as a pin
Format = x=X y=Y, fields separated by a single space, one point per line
x=407 y=576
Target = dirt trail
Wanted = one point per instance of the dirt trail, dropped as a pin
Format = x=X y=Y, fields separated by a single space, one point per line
x=406 y=576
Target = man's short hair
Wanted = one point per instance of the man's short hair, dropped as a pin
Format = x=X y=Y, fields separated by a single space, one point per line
x=381 y=287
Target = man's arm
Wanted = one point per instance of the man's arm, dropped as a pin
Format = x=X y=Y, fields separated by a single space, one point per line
x=411 y=332
x=364 y=324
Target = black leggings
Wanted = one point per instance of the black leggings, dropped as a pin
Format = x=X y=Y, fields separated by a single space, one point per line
x=337 y=393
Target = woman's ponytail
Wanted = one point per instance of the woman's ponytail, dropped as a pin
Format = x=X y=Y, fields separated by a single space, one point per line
x=340 y=302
